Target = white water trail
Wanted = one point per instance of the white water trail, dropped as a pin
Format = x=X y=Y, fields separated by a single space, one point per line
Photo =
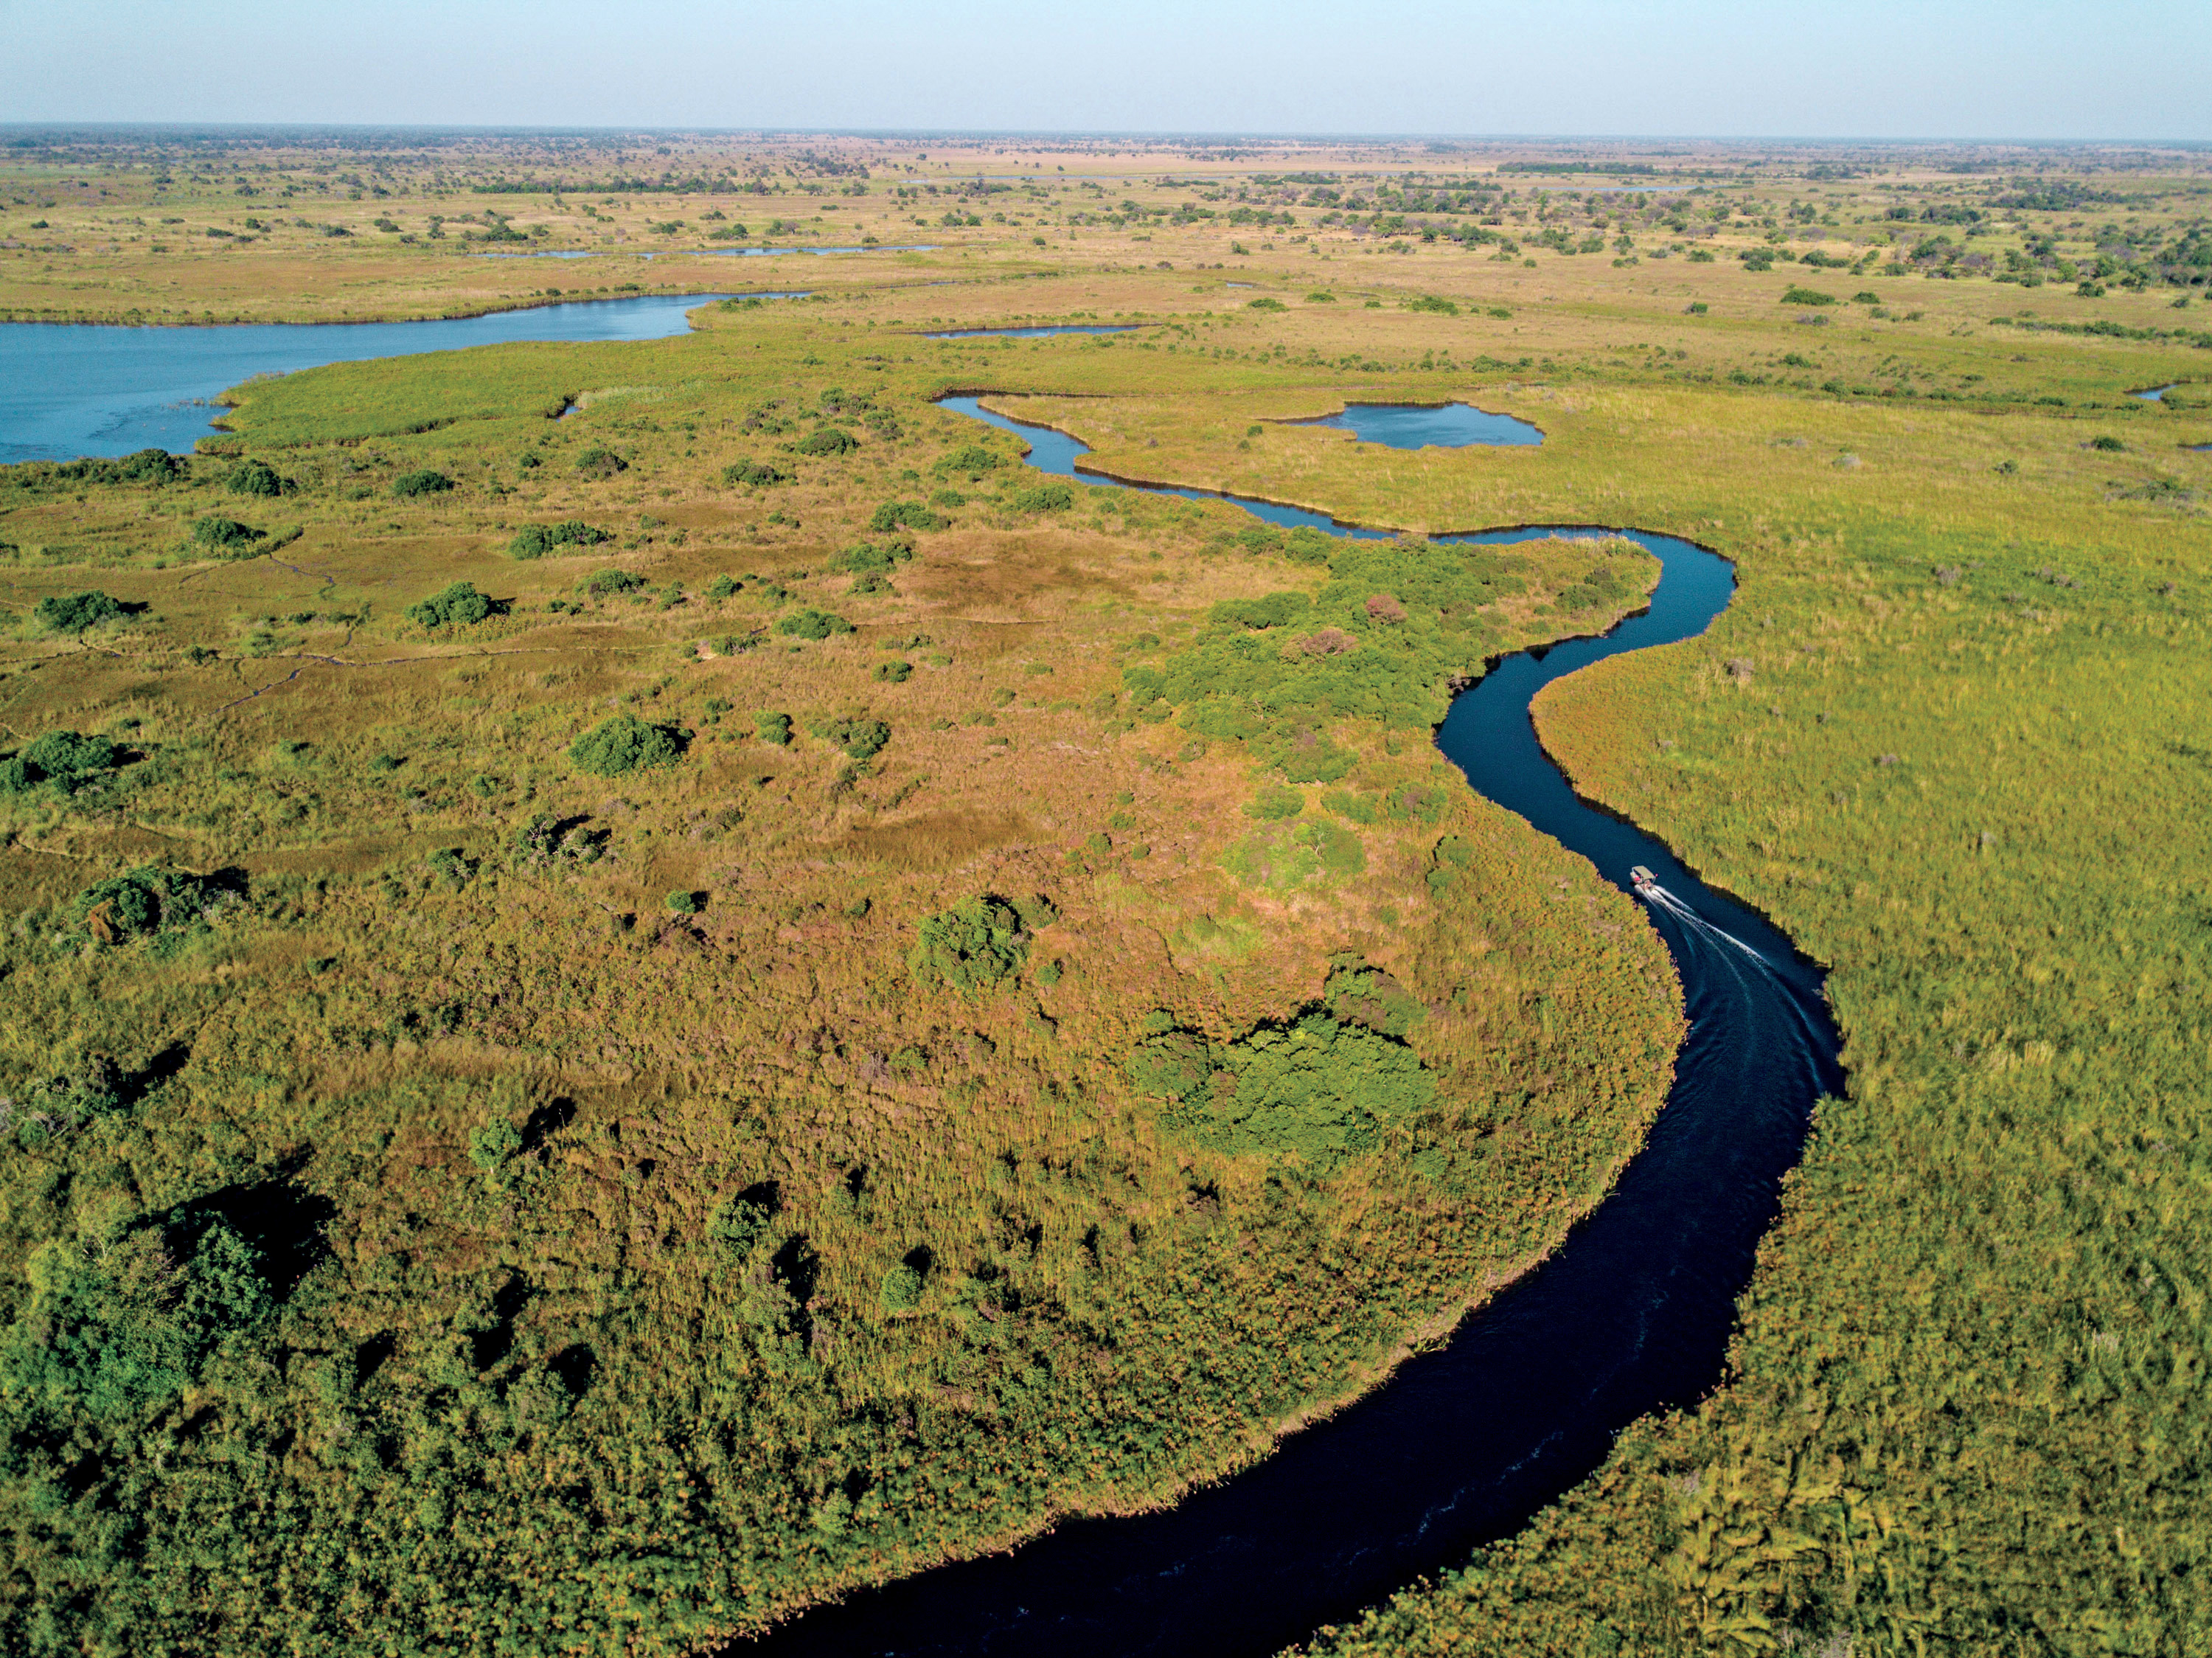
x=1682 y=912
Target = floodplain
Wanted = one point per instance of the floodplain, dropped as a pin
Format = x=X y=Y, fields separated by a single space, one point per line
x=645 y=981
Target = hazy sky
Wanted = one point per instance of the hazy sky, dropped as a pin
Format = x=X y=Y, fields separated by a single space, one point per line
x=2026 y=69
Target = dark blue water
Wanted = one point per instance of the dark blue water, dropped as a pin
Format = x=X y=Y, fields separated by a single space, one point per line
x=1463 y=1444
x=71 y=389
x=1418 y=426
x=1044 y=333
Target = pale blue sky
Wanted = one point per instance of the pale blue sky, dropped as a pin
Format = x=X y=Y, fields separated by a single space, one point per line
x=2026 y=69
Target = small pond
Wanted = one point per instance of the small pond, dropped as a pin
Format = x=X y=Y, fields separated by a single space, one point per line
x=1418 y=426
x=69 y=389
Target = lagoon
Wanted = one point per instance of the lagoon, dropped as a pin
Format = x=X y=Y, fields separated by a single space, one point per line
x=69 y=389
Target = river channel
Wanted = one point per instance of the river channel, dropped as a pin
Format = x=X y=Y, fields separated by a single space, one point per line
x=1468 y=1440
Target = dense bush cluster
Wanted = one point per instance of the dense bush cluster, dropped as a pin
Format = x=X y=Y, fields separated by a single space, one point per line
x=73 y=612
x=828 y=441
x=812 y=624
x=458 y=605
x=537 y=540
x=423 y=481
x=258 y=478
x=1319 y=1089
x=225 y=534
x=63 y=761
x=626 y=743
x=758 y=473
x=976 y=943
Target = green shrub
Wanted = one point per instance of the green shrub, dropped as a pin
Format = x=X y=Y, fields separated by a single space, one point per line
x=829 y=440
x=1043 y=497
x=73 y=612
x=901 y=1288
x=411 y=486
x=536 y=540
x=451 y=865
x=756 y=473
x=894 y=673
x=143 y=903
x=601 y=463
x=861 y=739
x=225 y=534
x=626 y=743
x=772 y=728
x=602 y=583
x=1794 y=294
x=1275 y=803
x=722 y=586
x=978 y=942
x=257 y=477
x=865 y=556
x=459 y=605
x=1866 y=297
x=974 y=459
x=1265 y=303
x=2110 y=445
x=1321 y=296
x=1443 y=307
x=812 y=625
x=906 y=515
x=686 y=904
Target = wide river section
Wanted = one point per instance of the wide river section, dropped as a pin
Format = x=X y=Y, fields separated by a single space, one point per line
x=69 y=389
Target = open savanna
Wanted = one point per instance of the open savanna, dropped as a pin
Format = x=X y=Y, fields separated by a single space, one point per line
x=542 y=1208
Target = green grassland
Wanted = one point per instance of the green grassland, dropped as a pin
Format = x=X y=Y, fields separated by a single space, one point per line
x=588 y=1109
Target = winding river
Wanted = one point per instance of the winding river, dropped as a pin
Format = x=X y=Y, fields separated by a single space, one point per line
x=1464 y=1443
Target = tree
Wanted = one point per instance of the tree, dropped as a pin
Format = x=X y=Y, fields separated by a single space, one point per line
x=829 y=440
x=626 y=743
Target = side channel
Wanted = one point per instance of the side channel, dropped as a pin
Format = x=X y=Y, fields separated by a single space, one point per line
x=1463 y=1443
